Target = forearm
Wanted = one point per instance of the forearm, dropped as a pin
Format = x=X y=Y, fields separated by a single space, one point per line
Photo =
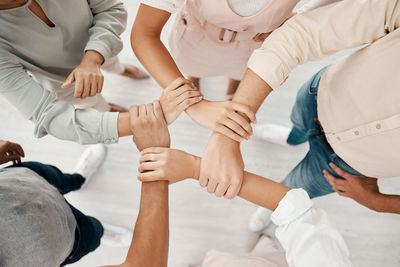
x=150 y=243
x=124 y=127
x=252 y=90
x=154 y=56
x=256 y=189
x=387 y=203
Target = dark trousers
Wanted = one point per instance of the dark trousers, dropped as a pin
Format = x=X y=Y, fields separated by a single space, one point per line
x=88 y=229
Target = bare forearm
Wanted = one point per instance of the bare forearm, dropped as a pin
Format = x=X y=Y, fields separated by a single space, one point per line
x=387 y=203
x=124 y=128
x=156 y=59
x=150 y=243
x=252 y=90
x=256 y=189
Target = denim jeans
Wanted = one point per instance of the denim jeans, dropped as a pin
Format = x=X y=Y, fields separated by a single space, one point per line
x=88 y=229
x=308 y=173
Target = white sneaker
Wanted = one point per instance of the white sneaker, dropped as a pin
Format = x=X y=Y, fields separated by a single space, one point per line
x=116 y=236
x=90 y=161
x=260 y=219
x=273 y=133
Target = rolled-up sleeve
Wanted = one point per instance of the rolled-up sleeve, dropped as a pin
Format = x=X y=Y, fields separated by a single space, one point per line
x=109 y=22
x=50 y=116
x=307 y=235
x=320 y=33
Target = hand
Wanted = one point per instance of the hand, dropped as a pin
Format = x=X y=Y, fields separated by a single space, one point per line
x=87 y=76
x=10 y=152
x=173 y=165
x=222 y=167
x=362 y=189
x=223 y=117
x=148 y=126
x=177 y=97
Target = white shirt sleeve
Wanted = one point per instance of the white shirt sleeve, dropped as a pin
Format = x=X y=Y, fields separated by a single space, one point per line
x=171 y=6
x=313 y=4
x=307 y=235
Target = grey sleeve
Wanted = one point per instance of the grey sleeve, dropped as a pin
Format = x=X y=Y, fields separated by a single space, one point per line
x=50 y=116
x=109 y=22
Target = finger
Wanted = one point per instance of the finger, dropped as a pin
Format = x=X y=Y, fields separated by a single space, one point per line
x=233 y=189
x=93 y=87
x=148 y=166
x=185 y=88
x=21 y=150
x=149 y=158
x=211 y=186
x=242 y=122
x=229 y=133
x=142 y=110
x=100 y=84
x=158 y=112
x=86 y=87
x=341 y=193
x=188 y=94
x=190 y=101
x=329 y=177
x=68 y=82
x=246 y=110
x=339 y=188
x=178 y=82
x=339 y=171
x=150 y=176
x=236 y=128
x=78 y=86
x=153 y=150
x=203 y=179
x=220 y=191
x=12 y=157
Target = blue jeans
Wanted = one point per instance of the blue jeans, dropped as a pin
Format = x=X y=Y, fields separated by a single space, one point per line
x=308 y=173
x=88 y=229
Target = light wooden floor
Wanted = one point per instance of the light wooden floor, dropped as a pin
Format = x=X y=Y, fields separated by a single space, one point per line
x=199 y=221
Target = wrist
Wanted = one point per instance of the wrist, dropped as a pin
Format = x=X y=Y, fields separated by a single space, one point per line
x=377 y=202
x=223 y=139
x=124 y=124
x=92 y=57
x=195 y=166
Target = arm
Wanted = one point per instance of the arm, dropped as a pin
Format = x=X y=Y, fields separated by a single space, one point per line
x=54 y=117
x=309 y=36
x=146 y=43
x=109 y=21
x=306 y=233
x=150 y=239
x=362 y=189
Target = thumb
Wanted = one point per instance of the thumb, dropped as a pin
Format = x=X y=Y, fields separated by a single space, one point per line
x=70 y=79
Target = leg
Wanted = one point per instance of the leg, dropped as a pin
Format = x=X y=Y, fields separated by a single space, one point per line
x=308 y=173
x=62 y=181
x=87 y=236
x=304 y=111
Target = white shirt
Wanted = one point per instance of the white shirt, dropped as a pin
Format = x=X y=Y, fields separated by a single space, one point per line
x=307 y=235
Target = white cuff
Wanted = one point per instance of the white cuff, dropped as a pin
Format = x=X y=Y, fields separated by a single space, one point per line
x=295 y=203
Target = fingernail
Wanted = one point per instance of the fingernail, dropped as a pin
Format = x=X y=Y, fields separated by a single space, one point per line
x=241 y=139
